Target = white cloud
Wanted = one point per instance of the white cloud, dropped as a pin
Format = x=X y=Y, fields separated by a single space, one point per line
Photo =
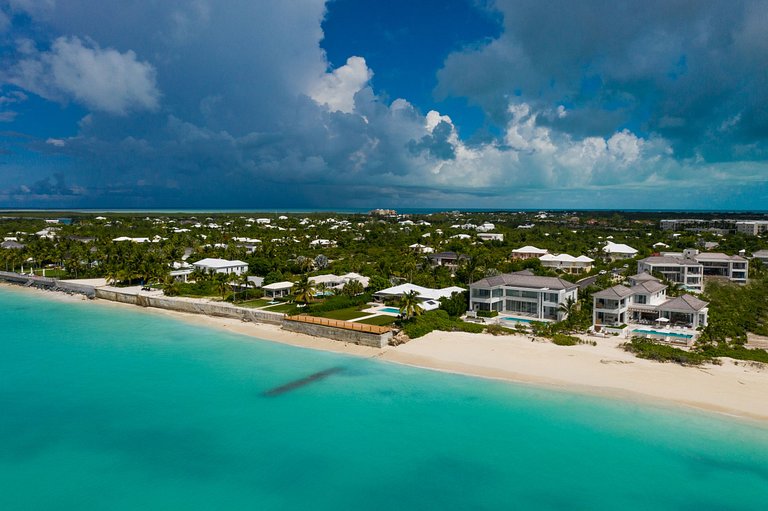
x=100 y=79
x=337 y=89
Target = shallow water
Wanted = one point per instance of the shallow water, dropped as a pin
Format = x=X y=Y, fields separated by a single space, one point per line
x=106 y=407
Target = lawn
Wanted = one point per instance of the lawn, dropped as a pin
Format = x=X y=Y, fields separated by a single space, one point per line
x=379 y=320
x=344 y=314
x=54 y=273
x=285 y=308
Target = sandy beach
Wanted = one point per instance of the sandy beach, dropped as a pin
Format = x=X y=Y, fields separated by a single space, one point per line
x=734 y=388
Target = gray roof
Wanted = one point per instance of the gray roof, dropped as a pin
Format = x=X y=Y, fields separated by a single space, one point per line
x=643 y=277
x=657 y=260
x=650 y=286
x=614 y=293
x=525 y=278
x=685 y=303
x=718 y=256
x=11 y=244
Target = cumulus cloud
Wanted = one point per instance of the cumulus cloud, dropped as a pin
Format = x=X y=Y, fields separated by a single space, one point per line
x=101 y=79
x=337 y=89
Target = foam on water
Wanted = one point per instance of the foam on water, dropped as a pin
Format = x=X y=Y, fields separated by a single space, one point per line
x=106 y=407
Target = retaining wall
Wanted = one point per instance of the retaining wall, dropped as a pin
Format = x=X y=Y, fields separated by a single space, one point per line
x=339 y=334
x=48 y=283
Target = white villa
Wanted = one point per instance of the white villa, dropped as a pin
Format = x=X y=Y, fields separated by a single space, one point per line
x=646 y=302
x=522 y=293
x=490 y=236
x=528 y=252
x=567 y=263
x=277 y=289
x=617 y=251
x=761 y=255
x=430 y=298
x=213 y=265
x=338 y=281
x=690 y=267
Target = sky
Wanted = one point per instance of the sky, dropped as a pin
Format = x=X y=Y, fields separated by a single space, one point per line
x=494 y=104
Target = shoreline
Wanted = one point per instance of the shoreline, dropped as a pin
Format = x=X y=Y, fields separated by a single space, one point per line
x=734 y=389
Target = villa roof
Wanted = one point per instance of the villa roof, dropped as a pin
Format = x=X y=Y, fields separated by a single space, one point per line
x=618 y=248
x=278 y=285
x=681 y=261
x=524 y=279
x=684 y=303
x=528 y=249
x=717 y=256
x=643 y=277
x=614 y=293
x=649 y=286
x=212 y=262
x=424 y=292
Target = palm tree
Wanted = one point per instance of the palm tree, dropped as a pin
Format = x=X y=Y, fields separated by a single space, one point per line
x=569 y=307
x=304 y=291
x=170 y=286
x=410 y=305
x=222 y=283
x=353 y=288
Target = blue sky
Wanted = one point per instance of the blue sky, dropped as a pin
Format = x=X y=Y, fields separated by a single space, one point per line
x=659 y=104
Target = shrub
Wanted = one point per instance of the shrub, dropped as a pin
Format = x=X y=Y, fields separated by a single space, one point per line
x=499 y=330
x=565 y=340
x=421 y=325
x=487 y=314
x=338 y=302
x=645 y=348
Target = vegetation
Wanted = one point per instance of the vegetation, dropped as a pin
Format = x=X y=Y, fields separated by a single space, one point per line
x=410 y=305
x=418 y=326
x=645 y=348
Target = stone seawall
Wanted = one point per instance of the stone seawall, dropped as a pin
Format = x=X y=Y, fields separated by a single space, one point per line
x=224 y=310
x=353 y=336
x=48 y=283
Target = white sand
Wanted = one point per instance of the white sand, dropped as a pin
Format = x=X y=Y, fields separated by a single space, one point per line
x=736 y=388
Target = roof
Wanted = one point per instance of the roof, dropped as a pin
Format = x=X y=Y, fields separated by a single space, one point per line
x=525 y=279
x=528 y=249
x=649 y=286
x=424 y=292
x=565 y=258
x=760 y=253
x=718 y=256
x=278 y=285
x=614 y=293
x=643 y=277
x=676 y=260
x=212 y=262
x=618 y=248
x=684 y=303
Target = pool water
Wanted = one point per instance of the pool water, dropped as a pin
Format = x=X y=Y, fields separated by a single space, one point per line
x=665 y=334
x=519 y=320
x=391 y=310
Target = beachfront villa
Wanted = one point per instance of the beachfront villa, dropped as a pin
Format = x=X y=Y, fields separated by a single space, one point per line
x=528 y=252
x=646 y=303
x=429 y=297
x=338 y=281
x=618 y=251
x=567 y=263
x=214 y=265
x=523 y=294
x=447 y=259
x=277 y=289
x=688 y=268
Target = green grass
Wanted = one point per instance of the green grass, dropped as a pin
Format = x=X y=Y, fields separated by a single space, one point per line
x=644 y=348
x=52 y=273
x=285 y=308
x=343 y=314
x=379 y=320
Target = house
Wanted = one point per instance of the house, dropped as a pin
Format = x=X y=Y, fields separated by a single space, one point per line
x=448 y=259
x=11 y=244
x=567 y=263
x=490 y=236
x=338 y=281
x=429 y=298
x=421 y=249
x=277 y=289
x=761 y=255
x=646 y=302
x=213 y=265
x=617 y=251
x=752 y=227
x=522 y=293
x=528 y=252
x=689 y=267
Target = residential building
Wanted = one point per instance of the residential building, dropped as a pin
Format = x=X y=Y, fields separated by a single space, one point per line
x=213 y=265
x=522 y=293
x=761 y=255
x=338 y=281
x=567 y=263
x=277 y=289
x=646 y=302
x=490 y=236
x=528 y=252
x=429 y=297
x=734 y=268
x=617 y=251
x=752 y=227
x=421 y=249
x=681 y=269
x=448 y=259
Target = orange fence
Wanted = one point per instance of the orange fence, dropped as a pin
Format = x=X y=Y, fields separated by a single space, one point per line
x=337 y=323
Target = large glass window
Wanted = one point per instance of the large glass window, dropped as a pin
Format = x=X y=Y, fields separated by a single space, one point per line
x=529 y=308
x=481 y=293
x=497 y=292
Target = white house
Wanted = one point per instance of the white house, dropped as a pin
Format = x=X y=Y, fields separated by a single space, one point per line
x=567 y=263
x=429 y=298
x=522 y=293
x=338 y=281
x=689 y=267
x=617 y=251
x=528 y=252
x=213 y=265
x=490 y=236
x=277 y=289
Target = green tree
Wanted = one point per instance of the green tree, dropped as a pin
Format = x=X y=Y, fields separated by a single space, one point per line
x=410 y=305
x=304 y=291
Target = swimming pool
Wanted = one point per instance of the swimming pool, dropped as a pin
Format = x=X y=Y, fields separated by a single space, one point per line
x=390 y=310
x=519 y=320
x=664 y=334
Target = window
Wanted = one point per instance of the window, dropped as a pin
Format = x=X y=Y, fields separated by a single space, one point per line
x=481 y=293
x=513 y=292
x=641 y=299
x=550 y=297
x=497 y=292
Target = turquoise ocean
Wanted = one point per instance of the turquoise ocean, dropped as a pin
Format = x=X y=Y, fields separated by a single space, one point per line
x=111 y=408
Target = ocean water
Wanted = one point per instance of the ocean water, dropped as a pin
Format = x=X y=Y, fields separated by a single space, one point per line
x=109 y=407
